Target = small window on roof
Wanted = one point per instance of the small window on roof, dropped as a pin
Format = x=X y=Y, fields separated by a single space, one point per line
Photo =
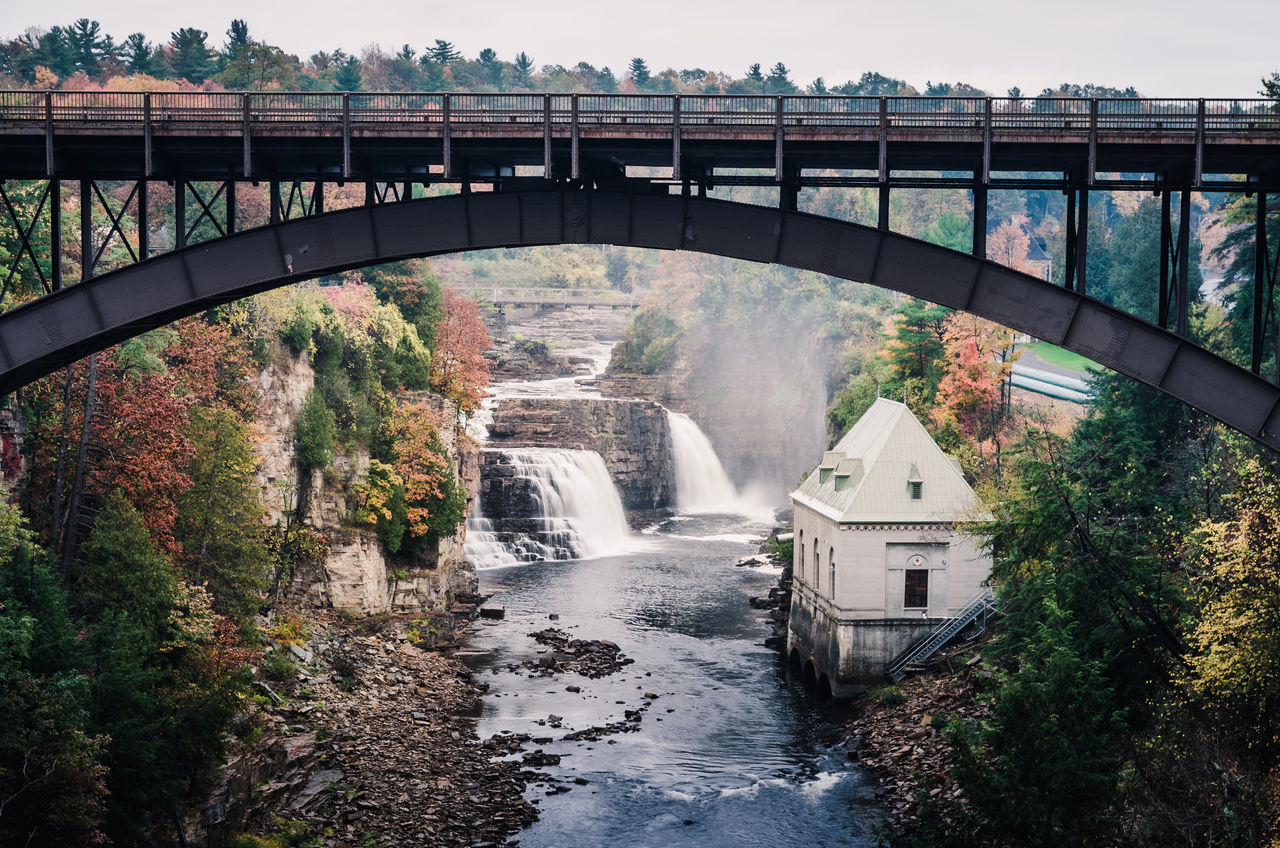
x=917 y=490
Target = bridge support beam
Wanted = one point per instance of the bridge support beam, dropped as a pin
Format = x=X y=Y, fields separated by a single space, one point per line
x=1077 y=249
x=789 y=190
x=86 y=230
x=1082 y=241
x=144 y=221
x=273 y=200
x=1184 y=261
x=23 y=232
x=1069 y=251
x=1166 y=246
x=980 y=221
x=55 y=233
x=1263 y=285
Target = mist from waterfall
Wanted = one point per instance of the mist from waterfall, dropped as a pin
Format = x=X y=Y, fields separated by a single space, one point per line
x=702 y=486
x=580 y=512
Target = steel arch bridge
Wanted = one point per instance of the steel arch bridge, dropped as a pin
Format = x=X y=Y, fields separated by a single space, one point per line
x=46 y=334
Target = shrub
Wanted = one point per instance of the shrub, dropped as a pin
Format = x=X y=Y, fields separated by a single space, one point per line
x=297 y=329
x=290 y=629
x=316 y=432
x=784 y=552
x=278 y=666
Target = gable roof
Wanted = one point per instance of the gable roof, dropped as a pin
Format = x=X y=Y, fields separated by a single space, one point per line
x=865 y=478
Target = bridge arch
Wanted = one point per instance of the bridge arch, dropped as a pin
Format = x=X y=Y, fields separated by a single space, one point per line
x=42 y=336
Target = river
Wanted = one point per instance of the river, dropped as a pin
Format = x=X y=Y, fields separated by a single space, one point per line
x=729 y=753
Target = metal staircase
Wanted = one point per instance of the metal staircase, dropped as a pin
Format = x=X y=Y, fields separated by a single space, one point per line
x=979 y=607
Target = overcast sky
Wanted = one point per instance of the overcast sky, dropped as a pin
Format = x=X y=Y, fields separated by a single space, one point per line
x=1165 y=48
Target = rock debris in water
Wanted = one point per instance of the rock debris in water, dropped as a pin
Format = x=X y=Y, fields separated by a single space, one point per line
x=592 y=658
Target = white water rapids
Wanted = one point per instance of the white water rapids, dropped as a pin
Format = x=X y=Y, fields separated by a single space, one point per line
x=581 y=513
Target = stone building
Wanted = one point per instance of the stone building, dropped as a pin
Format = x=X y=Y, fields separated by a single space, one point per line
x=879 y=559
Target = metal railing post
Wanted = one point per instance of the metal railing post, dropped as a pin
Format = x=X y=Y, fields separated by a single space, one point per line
x=147 y=169
x=346 y=135
x=48 y=133
x=777 y=144
x=447 y=139
x=1200 y=116
x=675 y=137
x=574 y=172
x=246 y=135
x=546 y=136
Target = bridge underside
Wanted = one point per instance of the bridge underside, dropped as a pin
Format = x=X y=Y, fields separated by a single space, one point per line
x=60 y=328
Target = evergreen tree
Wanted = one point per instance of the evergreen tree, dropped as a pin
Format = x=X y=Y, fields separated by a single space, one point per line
x=87 y=45
x=779 y=80
x=237 y=36
x=523 y=67
x=638 y=73
x=189 y=55
x=915 y=352
x=442 y=53
x=1046 y=767
x=755 y=74
x=347 y=77
x=140 y=56
x=165 y=675
x=53 y=50
x=51 y=778
x=220 y=518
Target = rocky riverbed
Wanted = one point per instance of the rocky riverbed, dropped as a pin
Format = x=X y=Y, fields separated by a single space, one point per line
x=899 y=733
x=373 y=743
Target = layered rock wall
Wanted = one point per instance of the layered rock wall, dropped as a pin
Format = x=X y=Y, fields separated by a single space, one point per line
x=356 y=574
x=633 y=438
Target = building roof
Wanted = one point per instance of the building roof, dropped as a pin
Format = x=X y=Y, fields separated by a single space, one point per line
x=868 y=477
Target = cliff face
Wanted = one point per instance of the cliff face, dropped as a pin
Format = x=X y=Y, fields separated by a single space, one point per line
x=633 y=438
x=356 y=574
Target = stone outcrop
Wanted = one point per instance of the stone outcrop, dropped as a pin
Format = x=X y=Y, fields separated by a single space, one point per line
x=281 y=387
x=527 y=359
x=633 y=438
x=356 y=574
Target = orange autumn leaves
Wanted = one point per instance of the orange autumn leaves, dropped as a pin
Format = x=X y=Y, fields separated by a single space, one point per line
x=459 y=370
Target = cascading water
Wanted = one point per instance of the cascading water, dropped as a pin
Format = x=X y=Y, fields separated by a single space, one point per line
x=701 y=483
x=556 y=505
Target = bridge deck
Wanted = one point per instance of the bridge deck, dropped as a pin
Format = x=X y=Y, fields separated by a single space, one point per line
x=426 y=137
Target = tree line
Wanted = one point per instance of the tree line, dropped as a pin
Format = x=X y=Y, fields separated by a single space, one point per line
x=81 y=56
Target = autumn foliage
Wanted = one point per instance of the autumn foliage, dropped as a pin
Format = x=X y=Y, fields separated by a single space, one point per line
x=459 y=370
x=979 y=357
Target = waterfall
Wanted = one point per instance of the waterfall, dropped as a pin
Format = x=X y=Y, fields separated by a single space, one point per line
x=701 y=484
x=558 y=504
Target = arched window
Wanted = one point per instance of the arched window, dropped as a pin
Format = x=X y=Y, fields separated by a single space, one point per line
x=800 y=559
x=817 y=566
x=831 y=570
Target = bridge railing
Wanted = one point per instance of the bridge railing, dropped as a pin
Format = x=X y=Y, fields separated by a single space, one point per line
x=196 y=106
x=396 y=107
x=1048 y=114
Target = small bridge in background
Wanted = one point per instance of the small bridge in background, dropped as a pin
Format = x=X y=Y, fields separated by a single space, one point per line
x=553 y=298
